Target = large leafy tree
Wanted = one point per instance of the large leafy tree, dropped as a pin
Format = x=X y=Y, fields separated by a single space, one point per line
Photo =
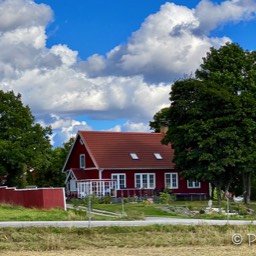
x=24 y=144
x=52 y=175
x=213 y=118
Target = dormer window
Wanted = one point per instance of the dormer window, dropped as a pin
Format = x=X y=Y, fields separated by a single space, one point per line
x=82 y=161
x=134 y=156
x=158 y=156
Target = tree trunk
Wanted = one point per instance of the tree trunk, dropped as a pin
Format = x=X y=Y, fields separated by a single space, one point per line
x=212 y=191
x=218 y=187
x=247 y=187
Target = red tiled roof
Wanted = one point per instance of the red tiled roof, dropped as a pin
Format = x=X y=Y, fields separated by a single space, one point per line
x=79 y=173
x=112 y=149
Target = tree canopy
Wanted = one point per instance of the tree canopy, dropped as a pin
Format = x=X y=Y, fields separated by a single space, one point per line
x=160 y=119
x=24 y=144
x=52 y=175
x=212 y=117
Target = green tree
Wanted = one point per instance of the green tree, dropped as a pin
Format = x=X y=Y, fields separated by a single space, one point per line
x=52 y=175
x=24 y=144
x=213 y=118
x=235 y=69
x=160 y=119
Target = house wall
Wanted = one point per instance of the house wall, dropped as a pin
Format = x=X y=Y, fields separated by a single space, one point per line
x=160 y=181
x=45 y=198
x=73 y=161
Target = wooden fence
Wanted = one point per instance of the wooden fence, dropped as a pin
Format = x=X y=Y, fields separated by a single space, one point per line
x=44 y=198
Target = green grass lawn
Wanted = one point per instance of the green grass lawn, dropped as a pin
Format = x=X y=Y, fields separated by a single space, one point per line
x=133 y=209
x=127 y=211
x=140 y=210
x=18 y=213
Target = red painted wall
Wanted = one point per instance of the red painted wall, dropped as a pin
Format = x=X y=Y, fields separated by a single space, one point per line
x=45 y=198
x=73 y=161
x=160 y=179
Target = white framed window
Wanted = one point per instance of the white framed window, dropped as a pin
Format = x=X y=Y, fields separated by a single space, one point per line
x=145 y=180
x=120 y=179
x=193 y=184
x=82 y=161
x=171 y=180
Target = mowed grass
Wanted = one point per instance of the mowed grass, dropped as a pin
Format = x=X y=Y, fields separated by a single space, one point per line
x=155 y=236
x=174 y=209
x=135 y=210
x=19 y=213
x=128 y=211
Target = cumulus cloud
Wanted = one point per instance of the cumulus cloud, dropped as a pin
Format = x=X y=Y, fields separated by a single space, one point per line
x=212 y=15
x=22 y=14
x=171 y=42
x=131 y=82
x=64 y=129
x=131 y=127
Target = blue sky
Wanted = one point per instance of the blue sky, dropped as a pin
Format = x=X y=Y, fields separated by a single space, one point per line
x=109 y=65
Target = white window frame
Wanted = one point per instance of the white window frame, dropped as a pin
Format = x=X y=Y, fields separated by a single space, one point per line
x=171 y=183
x=118 y=180
x=82 y=161
x=193 y=184
x=142 y=185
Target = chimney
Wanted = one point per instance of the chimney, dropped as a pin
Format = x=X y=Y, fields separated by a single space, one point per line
x=163 y=129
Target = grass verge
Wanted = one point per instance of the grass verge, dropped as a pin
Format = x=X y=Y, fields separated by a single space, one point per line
x=57 y=239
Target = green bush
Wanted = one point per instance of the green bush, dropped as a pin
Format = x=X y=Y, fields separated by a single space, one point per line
x=165 y=198
x=105 y=200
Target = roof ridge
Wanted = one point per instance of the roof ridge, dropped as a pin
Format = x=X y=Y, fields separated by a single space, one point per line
x=122 y=132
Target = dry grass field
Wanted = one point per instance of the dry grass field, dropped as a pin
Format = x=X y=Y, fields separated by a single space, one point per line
x=155 y=240
x=149 y=251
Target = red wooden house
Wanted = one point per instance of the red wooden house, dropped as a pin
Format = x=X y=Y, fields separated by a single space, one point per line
x=124 y=164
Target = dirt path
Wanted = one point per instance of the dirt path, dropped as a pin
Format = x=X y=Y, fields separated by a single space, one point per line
x=179 y=251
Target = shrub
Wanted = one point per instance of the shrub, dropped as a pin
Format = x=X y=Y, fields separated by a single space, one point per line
x=105 y=200
x=165 y=198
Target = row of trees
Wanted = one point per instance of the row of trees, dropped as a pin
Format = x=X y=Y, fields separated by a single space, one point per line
x=26 y=155
x=212 y=120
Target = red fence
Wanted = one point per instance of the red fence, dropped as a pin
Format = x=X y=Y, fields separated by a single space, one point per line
x=45 y=198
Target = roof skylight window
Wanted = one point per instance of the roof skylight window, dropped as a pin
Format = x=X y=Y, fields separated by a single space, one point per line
x=158 y=156
x=134 y=156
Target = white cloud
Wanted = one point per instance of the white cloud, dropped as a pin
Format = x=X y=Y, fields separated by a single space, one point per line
x=211 y=15
x=23 y=13
x=131 y=83
x=135 y=127
x=131 y=127
x=64 y=128
x=67 y=56
x=164 y=49
x=172 y=42
x=34 y=36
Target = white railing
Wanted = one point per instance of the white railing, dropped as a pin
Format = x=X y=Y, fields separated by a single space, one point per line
x=99 y=188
